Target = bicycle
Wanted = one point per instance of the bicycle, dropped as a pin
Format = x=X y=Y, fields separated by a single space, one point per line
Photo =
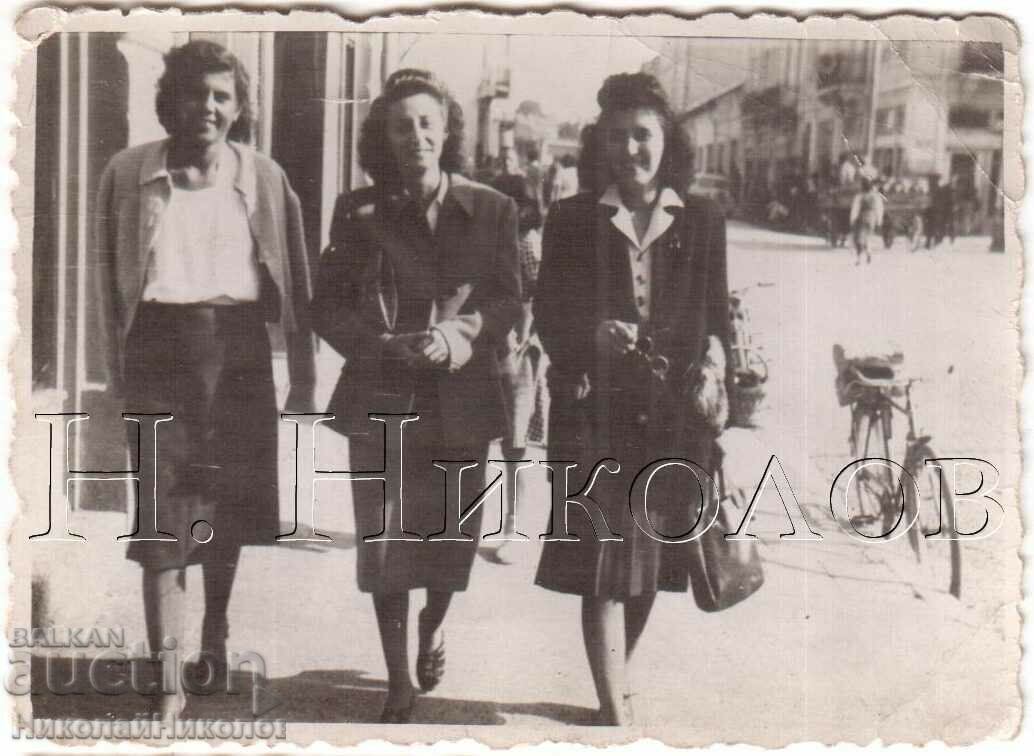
x=874 y=393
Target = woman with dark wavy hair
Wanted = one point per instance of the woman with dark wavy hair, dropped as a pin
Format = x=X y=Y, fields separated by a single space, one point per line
x=418 y=289
x=632 y=308
x=200 y=244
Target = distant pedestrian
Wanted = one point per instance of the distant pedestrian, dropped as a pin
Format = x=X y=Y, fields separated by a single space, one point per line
x=866 y=218
x=535 y=175
x=523 y=362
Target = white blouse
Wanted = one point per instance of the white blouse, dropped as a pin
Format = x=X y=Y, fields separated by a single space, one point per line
x=640 y=250
x=204 y=251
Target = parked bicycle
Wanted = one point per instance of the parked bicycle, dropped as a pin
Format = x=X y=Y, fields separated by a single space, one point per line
x=875 y=391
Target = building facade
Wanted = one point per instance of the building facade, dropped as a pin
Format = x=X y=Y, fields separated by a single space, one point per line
x=95 y=95
x=913 y=109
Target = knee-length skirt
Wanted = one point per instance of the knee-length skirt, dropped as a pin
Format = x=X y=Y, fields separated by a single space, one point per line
x=395 y=566
x=639 y=563
x=210 y=367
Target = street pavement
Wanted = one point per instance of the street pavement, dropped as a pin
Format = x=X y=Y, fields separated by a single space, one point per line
x=841 y=643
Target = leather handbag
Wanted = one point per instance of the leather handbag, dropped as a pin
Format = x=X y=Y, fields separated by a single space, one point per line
x=723 y=573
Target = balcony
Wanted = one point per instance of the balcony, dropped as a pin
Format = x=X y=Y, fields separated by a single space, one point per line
x=839 y=77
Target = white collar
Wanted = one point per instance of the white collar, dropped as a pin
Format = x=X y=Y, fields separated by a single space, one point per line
x=659 y=222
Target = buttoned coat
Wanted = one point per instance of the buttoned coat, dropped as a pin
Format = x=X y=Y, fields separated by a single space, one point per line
x=467 y=270
x=585 y=278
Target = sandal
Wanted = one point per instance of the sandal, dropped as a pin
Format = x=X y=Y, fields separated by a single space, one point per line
x=399 y=714
x=430 y=666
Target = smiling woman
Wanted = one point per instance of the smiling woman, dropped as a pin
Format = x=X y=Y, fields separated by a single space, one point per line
x=200 y=244
x=419 y=287
x=633 y=276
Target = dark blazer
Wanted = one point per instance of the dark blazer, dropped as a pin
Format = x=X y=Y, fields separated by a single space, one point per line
x=469 y=269
x=586 y=277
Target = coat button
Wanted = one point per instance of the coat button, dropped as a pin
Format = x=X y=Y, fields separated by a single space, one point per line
x=642 y=418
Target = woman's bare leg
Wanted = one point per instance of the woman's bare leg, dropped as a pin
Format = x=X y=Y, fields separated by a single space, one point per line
x=511 y=495
x=637 y=613
x=432 y=616
x=603 y=630
x=393 y=623
x=164 y=594
x=218 y=578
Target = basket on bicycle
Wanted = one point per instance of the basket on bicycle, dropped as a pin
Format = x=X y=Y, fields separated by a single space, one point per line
x=872 y=366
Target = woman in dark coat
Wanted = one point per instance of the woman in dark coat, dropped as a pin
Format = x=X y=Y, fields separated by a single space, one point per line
x=633 y=270
x=200 y=244
x=418 y=289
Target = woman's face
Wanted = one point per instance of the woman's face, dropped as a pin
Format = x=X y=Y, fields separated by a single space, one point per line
x=416 y=133
x=206 y=112
x=634 y=145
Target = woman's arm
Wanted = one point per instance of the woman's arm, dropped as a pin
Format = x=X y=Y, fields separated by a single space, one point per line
x=498 y=299
x=301 y=364
x=338 y=290
x=565 y=299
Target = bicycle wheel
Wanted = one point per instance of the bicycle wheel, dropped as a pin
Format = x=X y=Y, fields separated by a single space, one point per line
x=873 y=484
x=938 y=557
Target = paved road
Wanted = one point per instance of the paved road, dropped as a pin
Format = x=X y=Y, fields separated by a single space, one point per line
x=840 y=644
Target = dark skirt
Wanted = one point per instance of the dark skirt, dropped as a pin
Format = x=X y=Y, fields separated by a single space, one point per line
x=210 y=367
x=395 y=566
x=639 y=564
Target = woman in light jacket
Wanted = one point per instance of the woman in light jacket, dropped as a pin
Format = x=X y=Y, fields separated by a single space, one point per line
x=418 y=289
x=200 y=245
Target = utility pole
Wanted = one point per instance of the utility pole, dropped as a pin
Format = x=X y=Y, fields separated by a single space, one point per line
x=874 y=96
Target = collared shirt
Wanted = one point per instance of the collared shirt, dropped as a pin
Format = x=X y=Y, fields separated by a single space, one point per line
x=640 y=250
x=435 y=208
x=203 y=251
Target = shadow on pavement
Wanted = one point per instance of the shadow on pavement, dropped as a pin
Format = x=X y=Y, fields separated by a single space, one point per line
x=350 y=696
x=61 y=688
x=339 y=540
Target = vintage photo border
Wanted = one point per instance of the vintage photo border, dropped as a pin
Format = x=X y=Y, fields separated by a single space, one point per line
x=893 y=27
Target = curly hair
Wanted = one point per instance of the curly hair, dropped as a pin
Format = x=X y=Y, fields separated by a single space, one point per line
x=374 y=154
x=185 y=66
x=627 y=91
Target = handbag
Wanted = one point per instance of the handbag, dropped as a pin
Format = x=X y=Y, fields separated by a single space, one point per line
x=723 y=573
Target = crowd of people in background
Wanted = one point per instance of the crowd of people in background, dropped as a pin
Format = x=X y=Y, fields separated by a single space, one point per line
x=923 y=208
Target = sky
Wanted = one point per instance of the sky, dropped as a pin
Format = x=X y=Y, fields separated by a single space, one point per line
x=562 y=73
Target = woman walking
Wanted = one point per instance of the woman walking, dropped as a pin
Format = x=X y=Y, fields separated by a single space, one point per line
x=200 y=245
x=418 y=290
x=866 y=218
x=632 y=300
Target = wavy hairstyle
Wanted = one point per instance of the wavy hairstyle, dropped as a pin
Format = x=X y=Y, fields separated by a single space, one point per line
x=627 y=91
x=185 y=66
x=374 y=153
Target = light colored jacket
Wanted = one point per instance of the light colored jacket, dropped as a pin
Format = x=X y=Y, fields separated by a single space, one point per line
x=134 y=192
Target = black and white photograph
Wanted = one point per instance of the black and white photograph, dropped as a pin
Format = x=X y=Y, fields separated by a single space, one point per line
x=513 y=378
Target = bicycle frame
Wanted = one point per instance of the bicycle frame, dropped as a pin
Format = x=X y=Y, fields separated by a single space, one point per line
x=876 y=403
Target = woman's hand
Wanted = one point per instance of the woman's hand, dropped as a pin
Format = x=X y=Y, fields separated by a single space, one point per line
x=616 y=336
x=436 y=351
x=409 y=347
